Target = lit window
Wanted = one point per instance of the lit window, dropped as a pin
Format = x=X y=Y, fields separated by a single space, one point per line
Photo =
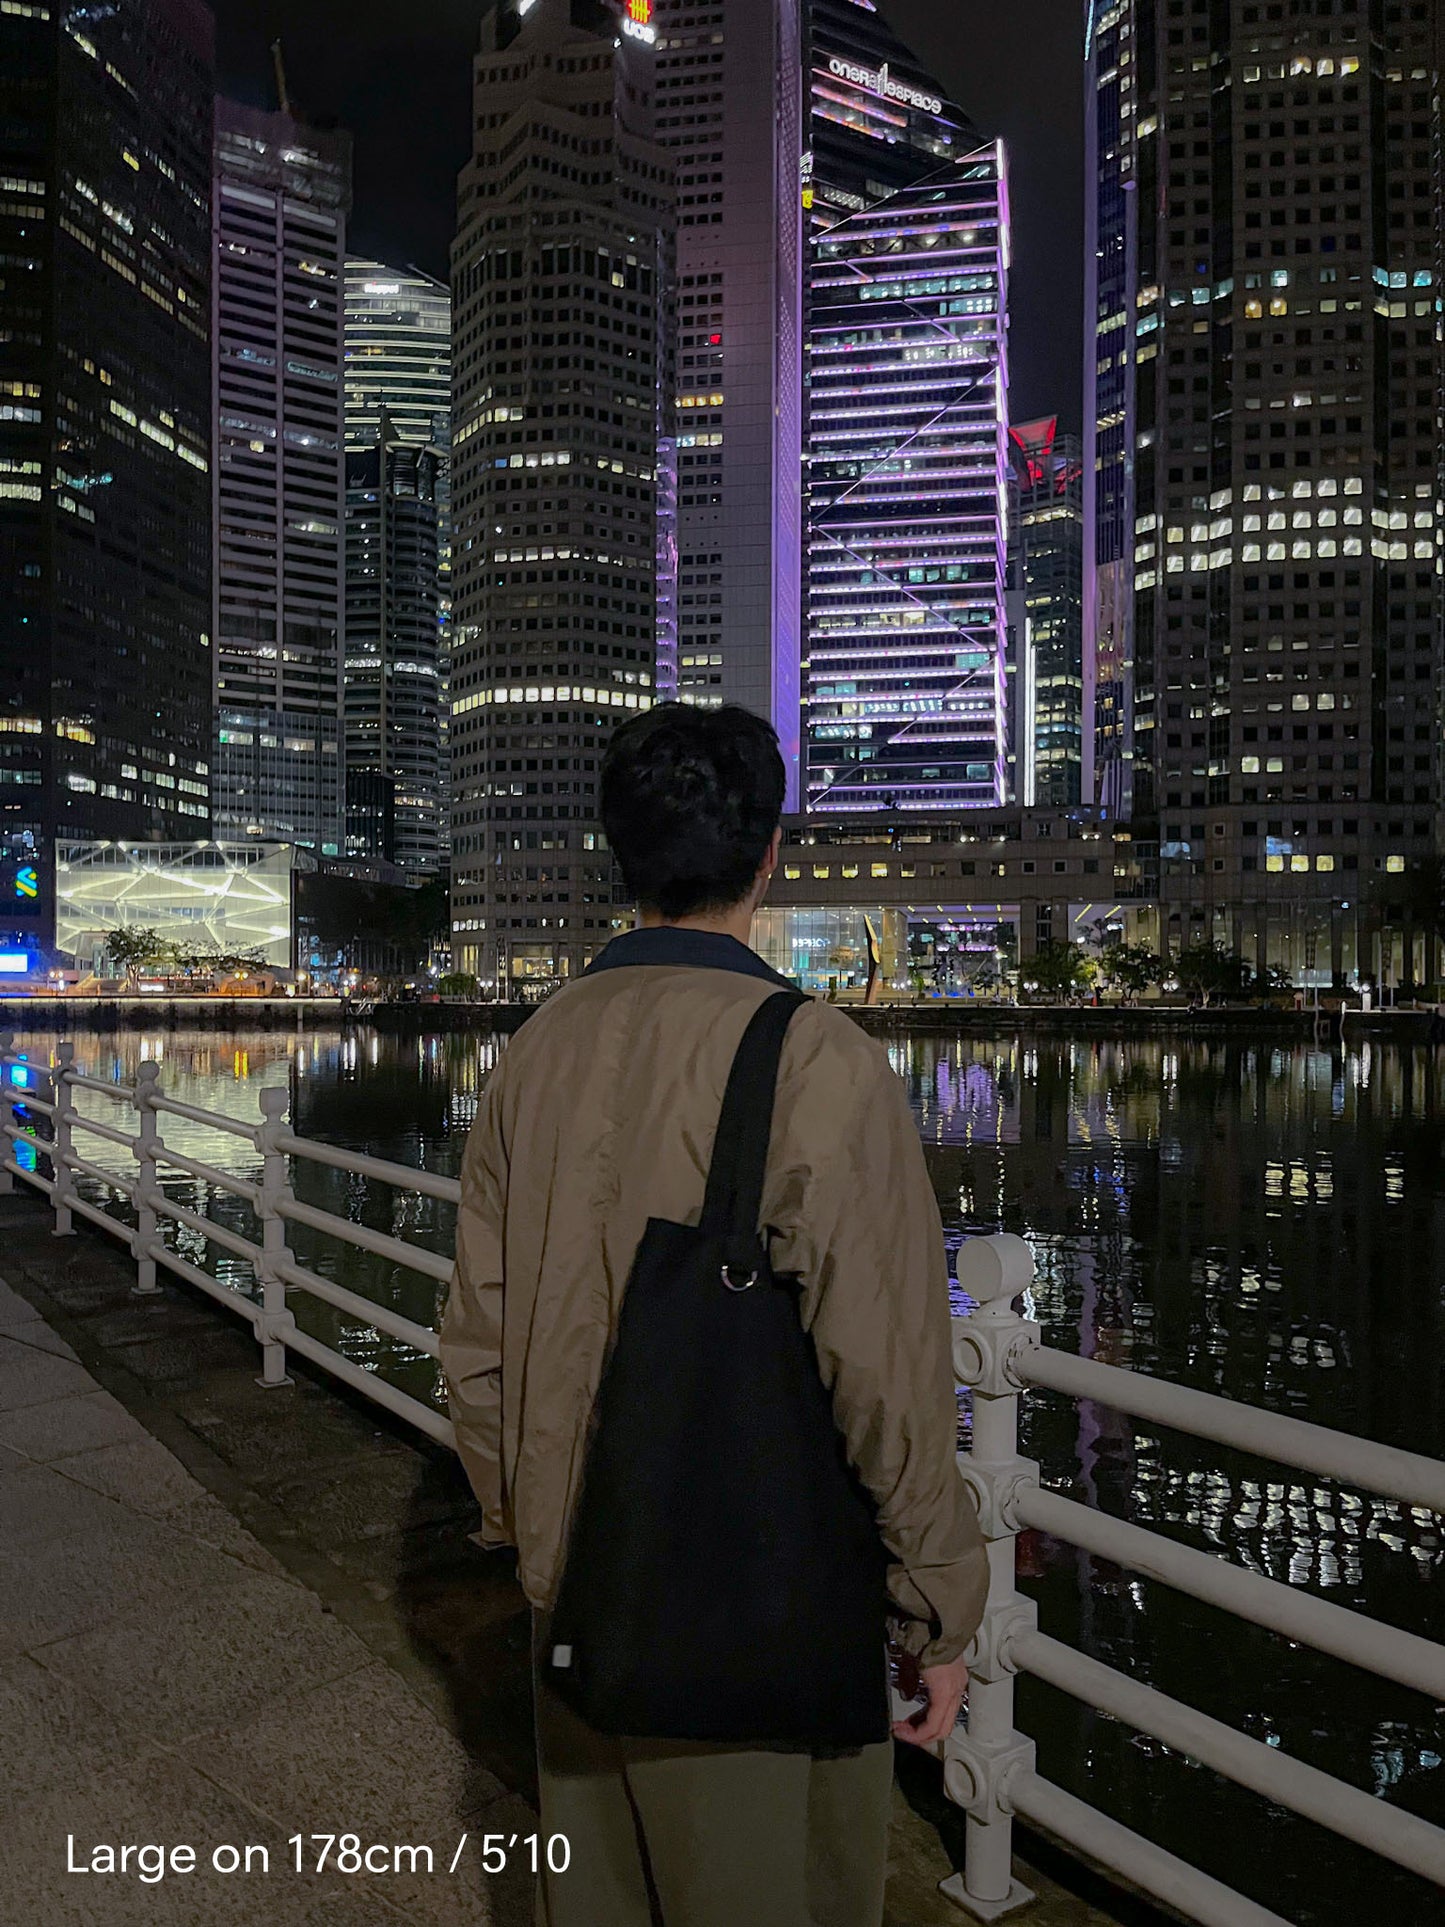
x=878 y=869
x=1395 y=865
x=1324 y=863
x=1274 y=863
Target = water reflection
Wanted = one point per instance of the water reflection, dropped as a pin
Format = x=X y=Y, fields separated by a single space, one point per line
x=1261 y=1222
x=1266 y=1224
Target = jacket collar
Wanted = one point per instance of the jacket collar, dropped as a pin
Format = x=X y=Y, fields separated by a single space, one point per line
x=675 y=948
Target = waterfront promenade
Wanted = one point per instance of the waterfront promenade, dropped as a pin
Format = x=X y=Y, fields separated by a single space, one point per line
x=229 y=1616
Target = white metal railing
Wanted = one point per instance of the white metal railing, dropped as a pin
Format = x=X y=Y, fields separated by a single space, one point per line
x=989 y=1768
x=46 y=1093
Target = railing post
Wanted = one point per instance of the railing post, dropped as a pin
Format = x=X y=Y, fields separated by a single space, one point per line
x=147 y=1146
x=276 y=1320
x=980 y=1760
x=62 y=1137
x=8 y=1150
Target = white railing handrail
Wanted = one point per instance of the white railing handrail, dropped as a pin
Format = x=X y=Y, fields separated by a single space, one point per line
x=989 y=1767
x=1267 y=1770
x=405 y=1177
x=1301 y=1616
x=1338 y=1456
x=277 y=1269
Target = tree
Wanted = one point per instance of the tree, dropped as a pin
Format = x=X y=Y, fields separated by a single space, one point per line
x=1132 y=966
x=1210 y=970
x=457 y=983
x=130 y=949
x=1273 y=980
x=214 y=962
x=1058 y=969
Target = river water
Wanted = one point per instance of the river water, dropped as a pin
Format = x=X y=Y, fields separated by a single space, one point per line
x=1261 y=1221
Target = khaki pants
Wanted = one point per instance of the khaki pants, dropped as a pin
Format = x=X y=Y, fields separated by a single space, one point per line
x=687 y=1835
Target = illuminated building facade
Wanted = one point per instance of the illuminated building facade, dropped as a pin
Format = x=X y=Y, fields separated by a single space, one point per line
x=398 y=354
x=907 y=457
x=1046 y=526
x=215 y=897
x=105 y=437
x=561 y=446
x=282 y=190
x=1111 y=350
x=1266 y=449
x=731 y=112
x=399 y=363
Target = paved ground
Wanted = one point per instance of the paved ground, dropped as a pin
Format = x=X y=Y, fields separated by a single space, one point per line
x=163 y=1679
x=229 y=1616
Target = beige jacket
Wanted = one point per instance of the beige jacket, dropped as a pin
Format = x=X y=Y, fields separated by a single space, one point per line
x=600 y=1115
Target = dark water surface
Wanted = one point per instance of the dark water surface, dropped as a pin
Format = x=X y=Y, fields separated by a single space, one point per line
x=1263 y=1222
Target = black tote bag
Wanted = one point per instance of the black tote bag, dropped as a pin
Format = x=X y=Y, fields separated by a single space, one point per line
x=724 y=1579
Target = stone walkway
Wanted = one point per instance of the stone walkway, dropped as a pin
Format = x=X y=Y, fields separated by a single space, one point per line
x=164 y=1680
x=229 y=1616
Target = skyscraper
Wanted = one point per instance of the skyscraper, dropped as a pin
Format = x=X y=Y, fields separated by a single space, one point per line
x=1265 y=361
x=398 y=354
x=282 y=190
x=561 y=548
x=105 y=436
x=1047 y=528
x=392 y=694
x=731 y=109
x=907 y=463
x=399 y=367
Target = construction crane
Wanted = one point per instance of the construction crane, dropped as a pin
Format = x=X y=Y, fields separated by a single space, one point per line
x=282 y=95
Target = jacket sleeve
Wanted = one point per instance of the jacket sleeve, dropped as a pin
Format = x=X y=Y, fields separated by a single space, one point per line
x=471 y=1333
x=864 y=1236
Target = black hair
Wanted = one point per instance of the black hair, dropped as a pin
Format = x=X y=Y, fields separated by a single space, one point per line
x=690 y=800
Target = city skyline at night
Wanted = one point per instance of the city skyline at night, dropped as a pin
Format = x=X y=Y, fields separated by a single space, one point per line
x=815 y=520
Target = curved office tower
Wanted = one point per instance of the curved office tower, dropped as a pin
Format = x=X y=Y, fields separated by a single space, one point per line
x=398 y=563
x=395 y=806
x=907 y=385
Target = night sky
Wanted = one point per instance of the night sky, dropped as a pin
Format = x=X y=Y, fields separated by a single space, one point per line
x=396 y=73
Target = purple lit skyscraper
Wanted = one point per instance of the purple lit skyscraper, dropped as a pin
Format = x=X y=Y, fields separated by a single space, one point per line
x=907 y=438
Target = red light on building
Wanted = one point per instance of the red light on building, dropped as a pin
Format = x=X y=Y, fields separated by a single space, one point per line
x=637 y=20
x=714 y=341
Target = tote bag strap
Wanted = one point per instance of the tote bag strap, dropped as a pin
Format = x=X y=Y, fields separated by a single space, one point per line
x=734 y=1200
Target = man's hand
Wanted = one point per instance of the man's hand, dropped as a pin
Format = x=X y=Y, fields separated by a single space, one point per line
x=945 y=1687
